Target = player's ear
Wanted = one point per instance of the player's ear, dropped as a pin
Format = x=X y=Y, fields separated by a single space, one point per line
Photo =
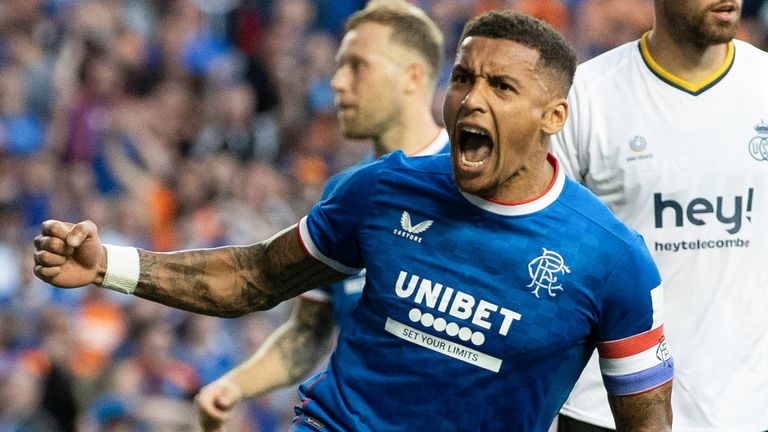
x=554 y=116
x=415 y=75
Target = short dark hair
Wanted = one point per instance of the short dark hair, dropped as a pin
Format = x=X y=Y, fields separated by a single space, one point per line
x=411 y=28
x=555 y=53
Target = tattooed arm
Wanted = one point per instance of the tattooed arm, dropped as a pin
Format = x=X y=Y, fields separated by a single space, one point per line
x=650 y=411
x=228 y=281
x=231 y=281
x=289 y=355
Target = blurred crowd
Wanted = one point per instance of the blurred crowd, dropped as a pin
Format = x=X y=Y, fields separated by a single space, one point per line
x=180 y=124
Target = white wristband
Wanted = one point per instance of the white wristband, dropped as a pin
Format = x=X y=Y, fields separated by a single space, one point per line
x=122 y=273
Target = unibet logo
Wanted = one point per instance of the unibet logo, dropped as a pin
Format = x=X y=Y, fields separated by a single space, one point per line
x=457 y=304
x=699 y=210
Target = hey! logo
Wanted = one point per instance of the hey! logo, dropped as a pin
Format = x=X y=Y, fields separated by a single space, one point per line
x=758 y=146
x=543 y=271
x=409 y=230
x=697 y=209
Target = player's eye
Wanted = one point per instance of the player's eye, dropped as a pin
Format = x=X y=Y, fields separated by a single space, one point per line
x=459 y=77
x=503 y=86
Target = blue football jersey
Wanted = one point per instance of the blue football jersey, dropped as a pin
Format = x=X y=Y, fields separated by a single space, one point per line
x=477 y=315
x=344 y=295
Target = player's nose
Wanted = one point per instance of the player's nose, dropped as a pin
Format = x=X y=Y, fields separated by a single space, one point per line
x=340 y=80
x=475 y=99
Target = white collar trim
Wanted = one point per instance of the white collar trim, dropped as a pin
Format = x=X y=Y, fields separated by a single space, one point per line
x=525 y=208
x=436 y=145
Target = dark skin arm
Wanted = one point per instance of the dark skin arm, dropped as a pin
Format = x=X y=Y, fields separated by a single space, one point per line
x=226 y=282
x=231 y=281
x=650 y=411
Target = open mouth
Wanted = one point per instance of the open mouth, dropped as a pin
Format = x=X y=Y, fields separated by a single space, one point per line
x=475 y=146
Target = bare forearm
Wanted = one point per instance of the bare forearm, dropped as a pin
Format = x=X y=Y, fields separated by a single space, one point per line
x=650 y=411
x=307 y=340
x=290 y=354
x=231 y=281
x=204 y=281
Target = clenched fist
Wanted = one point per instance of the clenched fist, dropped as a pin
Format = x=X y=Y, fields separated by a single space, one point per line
x=69 y=255
x=215 y=402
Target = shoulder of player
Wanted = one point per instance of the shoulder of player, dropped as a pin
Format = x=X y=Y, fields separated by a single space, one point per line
x=753 y=55
x=392 y=164
x=594 y=212
x=608 y=67
x=335 y=179
x=434 y=164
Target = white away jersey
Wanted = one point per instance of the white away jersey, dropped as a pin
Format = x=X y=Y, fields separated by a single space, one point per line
x=686 y=166
x=477 y=315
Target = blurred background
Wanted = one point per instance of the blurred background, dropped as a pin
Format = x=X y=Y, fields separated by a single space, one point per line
x=178 y=124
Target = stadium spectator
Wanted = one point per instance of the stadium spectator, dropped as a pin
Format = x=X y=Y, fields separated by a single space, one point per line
x=20 y=396
x=154 y=370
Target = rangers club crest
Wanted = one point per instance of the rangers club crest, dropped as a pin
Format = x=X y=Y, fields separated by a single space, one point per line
x=543 y=271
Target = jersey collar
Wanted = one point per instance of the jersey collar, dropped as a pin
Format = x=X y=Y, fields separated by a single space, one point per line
x=694 y=89
x=529 y=206
x=437 y=144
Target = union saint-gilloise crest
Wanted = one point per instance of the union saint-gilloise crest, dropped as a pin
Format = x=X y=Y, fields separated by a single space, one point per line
x=758 y=146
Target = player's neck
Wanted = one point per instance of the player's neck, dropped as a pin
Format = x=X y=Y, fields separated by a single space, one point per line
x=413 y=133
x=531 y=183
x=688 y=61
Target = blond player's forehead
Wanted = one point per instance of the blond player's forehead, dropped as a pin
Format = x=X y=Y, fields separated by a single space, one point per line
x=369 y=40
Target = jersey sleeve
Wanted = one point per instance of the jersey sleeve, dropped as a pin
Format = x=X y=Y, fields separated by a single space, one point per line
x=336 y=179
x=318 y=294
x=570 y=146
x=634 y=357
x=323 y=294
x=330 y=231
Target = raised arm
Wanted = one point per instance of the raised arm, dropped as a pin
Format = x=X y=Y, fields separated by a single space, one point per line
x=228 y=281
x=650 y=411
x=288 y=356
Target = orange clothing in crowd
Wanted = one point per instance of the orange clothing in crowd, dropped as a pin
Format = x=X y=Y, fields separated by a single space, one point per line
x=162 y=207
x=552 y=11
